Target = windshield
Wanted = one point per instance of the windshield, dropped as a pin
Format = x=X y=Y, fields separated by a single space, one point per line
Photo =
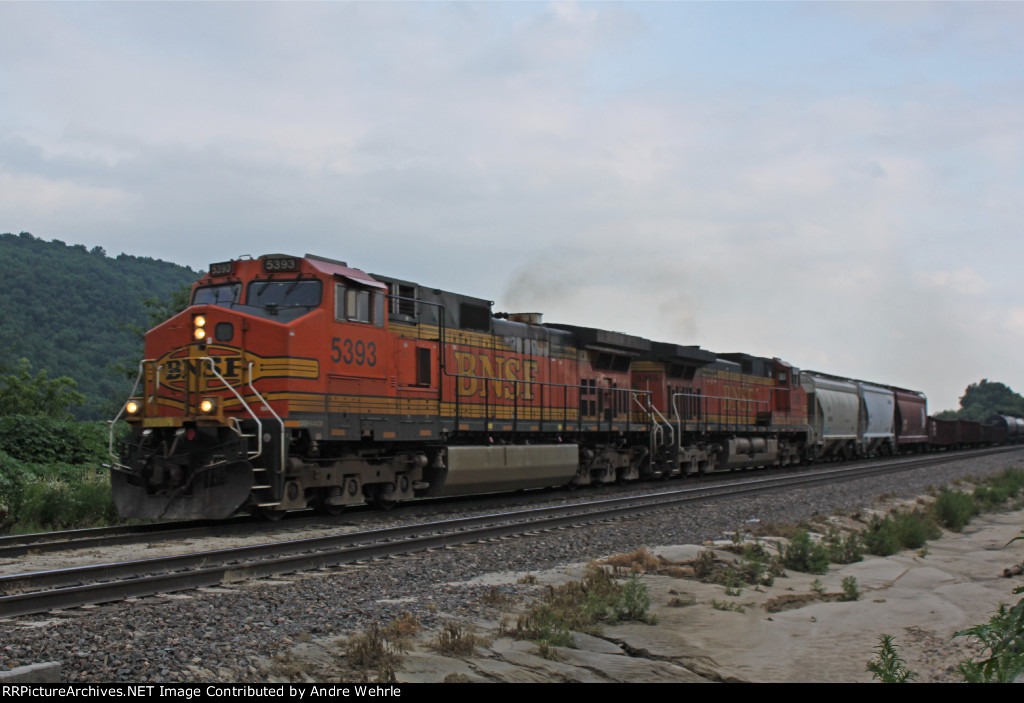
x=284 y=294
x=225 y=295
x=282 y=301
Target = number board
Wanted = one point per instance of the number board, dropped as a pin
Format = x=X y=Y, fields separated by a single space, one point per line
x=284 y=263
x=224 y=268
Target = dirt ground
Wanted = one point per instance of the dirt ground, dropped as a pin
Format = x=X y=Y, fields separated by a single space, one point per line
x=782 y=633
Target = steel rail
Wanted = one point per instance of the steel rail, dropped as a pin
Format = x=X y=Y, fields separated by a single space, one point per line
x=89 y=538
x=190 y=571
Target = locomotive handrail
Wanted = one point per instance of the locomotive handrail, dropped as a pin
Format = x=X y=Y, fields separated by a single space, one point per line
x=650 y=418
x=259 y=423
x=704 y=409
x=273 y=412
x=113 y=423
x=552 y=384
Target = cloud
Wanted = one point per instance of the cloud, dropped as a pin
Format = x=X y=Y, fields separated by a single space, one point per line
x=963 y=281
x=770 y=184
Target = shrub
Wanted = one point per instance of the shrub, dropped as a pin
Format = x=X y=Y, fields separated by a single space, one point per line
x=954 y=509
x=880 y=537
x=844 y=550
x=914 y=529
x=850 y=590
x=40 y=439
x=59 y=504
x=802 y=554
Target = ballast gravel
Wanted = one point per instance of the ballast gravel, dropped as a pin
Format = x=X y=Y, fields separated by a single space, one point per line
x=220 y=634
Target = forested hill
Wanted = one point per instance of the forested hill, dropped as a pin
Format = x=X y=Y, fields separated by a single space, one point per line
x=69 y=310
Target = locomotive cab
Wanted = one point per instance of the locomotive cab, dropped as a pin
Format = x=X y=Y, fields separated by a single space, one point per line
x=208 y=429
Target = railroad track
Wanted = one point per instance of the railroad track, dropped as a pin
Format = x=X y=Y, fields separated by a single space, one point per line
x=13 y=546
x=43 y=591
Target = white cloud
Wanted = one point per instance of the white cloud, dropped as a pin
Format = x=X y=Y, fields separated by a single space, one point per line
x=962 y=281
x=839 y=218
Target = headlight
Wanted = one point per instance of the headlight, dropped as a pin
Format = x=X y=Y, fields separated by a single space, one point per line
x=199 y=329
x=208 y=405
x=132 y=407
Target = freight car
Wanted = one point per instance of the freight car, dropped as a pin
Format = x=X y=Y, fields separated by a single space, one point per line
x=300 y=382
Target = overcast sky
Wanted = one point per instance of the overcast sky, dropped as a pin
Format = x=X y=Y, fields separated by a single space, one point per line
x=836 y=184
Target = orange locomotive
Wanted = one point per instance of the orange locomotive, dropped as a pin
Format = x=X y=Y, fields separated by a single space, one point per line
x=298 y=382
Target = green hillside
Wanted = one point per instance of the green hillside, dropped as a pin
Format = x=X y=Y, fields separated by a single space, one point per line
x=70 y=311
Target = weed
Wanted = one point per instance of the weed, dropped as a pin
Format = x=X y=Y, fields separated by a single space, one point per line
x=373 y=654
x=818 y=587
x=547 y=651
x=456 y=639
x=494 y=597
x=726 y=606
x=544 y=624
x=580 y=606
x=638 y=561
x=888 y=666
x=528 y=580
x=758 y=567
x=850 y=591
x=1002 y=637
x=401 y=629
x=704 y=564
x=778 y=529
x=730 y=579
x=634 y=602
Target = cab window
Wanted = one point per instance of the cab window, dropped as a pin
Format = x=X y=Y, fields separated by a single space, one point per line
x=353 y=304
x=284 y=294
x=225 y=295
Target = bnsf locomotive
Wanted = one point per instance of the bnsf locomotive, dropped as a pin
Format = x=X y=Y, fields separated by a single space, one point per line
x=298 y=382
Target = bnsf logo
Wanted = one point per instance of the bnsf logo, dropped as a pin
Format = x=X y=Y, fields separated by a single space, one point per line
x=497 y=376
x=177 y=367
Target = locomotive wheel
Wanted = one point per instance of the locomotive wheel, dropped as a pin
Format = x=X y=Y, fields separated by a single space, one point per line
x=330 y=510
x=270 y=514
x=378 y=500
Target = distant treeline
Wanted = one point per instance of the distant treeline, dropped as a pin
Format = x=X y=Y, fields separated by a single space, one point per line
x=76 y=312
x=985 y=398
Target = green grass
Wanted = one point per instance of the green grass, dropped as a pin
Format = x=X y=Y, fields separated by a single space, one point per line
x=954 y=509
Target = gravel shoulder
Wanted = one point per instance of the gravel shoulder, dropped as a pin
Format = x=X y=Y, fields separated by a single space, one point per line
x=293 y=628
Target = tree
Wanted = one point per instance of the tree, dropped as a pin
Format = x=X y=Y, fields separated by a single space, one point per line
x=986 y=398
x=21 y=393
